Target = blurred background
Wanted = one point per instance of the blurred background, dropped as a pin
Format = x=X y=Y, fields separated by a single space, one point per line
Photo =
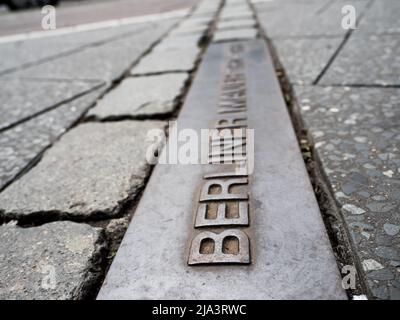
x=19 y=16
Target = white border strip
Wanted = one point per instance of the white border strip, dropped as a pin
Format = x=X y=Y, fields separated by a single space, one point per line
x=96 y=25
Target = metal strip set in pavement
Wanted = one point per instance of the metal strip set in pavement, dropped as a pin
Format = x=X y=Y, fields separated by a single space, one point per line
x=289 y=255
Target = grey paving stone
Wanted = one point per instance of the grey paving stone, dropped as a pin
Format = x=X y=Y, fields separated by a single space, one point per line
x=356 y=138
x=20 y=145
x=240 y=23
x=227 y=16
x=56 y=261
x=105 y=62
x=236 y=10
x=195 y=22
x=235 y=3
x=207 y=11
x=236 y=34
x=290 y=252
x=21 y=99
x=382 y=17
x=187 y=42
x=206 y=6
x=140 y=97
x=370 y=60
x=264 y=5
x=17 y=54
x=204 y=13
x=304 y=59
x=166 y=61
x=89 y=173
x=195 y=30
x=20 y=53
x=311 y=18
x=288 y=18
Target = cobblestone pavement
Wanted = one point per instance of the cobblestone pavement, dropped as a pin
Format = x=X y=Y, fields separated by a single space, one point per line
x=71 y=13
x=48 y=85
x=345 y=93
x=75 y=115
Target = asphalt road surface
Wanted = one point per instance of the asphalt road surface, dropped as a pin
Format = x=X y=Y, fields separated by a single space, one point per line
x=75 y=12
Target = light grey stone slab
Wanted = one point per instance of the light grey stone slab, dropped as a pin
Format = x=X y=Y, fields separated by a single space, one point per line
x=106 y=62
x=20 y=53
x=90 y=172
x=370 y=60
x=140 y=97
x=244 y=9
x=20 y=145
x=226 y=16
x=182 y=42
x=242 y=23
x=382 y=17
x=301 y=18
x=304 y=59
x=166 y=61
x=356 y=139
x=21 y=99
x=195 y=22
x=204 y=13
x=232 y=3
x=206 y=6
x=236 y=34
x=237 y=9
x=56 y=261
x=23 y=53
x=195 y=30
x=291 y=254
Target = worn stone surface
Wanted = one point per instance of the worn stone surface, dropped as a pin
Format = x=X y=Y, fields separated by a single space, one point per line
x=107 y=61
x=18 y=54
x=207 y=13
x=235 y=24
x=381 y=18
x=356 y=139
x=21 y=99
x=227 y=15
x=91 y=63
x=236 y=34
x=195 y=22
x=290 y=249
x=149 y=96
x=366 y=60
x=20 y=145
x=207 y=6
x=56 y=261
x=195 y=30
x=90 y=172
x=304 y=59
x=21 y=53
x=166 y=61
x=188 y=42
x=237 y=8
x=305 y=18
